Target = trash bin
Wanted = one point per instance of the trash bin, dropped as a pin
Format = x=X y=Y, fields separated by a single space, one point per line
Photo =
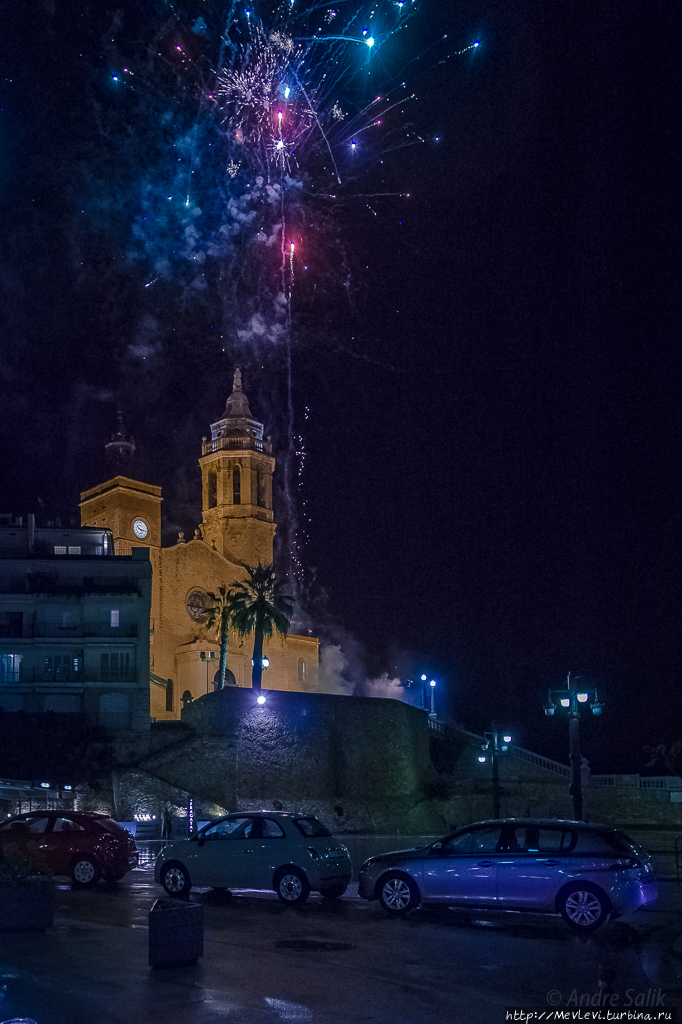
x=176 y=933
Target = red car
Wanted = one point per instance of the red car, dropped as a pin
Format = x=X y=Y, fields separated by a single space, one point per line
x=85 y=846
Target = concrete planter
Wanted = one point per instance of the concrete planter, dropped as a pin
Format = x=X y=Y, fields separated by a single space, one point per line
x=26 y=908
x=176 y=933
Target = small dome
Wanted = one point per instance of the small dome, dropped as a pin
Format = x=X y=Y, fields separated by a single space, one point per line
x=237 y=404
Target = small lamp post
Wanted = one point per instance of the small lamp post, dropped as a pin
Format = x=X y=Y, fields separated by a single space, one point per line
x=495 y=744
x=572 y=698
x=208 y=657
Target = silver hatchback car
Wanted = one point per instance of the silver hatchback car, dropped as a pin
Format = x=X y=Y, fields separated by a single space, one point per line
x=288 y=853
x=586 y=873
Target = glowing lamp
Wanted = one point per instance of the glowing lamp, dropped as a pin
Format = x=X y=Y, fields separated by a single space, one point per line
x=432 y=683
x=482 y=758
x=565 y=702
x=44 y=785
x=504 y=747
x=370 y=42
x=596 y=708
x=583 y=697
x=507 y=739
x=69 y=788
x=423 y=679
x=266 y=661
x=477 y=44
x=260 y=700
x=549 y=708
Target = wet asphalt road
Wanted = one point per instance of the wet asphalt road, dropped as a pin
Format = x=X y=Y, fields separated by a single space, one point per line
x=434 y=965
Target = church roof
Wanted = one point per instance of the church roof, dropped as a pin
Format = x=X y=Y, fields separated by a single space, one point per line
x=237 y=404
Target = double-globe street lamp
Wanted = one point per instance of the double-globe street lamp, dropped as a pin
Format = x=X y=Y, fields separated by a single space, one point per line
x=432 y=684
x=572 y=699
x=495 y=744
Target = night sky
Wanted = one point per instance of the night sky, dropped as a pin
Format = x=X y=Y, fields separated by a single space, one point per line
x=484 y=373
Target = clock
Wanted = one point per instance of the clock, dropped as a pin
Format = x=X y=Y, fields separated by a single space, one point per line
x=140 y=529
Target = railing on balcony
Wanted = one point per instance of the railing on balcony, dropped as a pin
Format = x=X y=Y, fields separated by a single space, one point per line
x=85 y=675
x=666 y=782
x=253 y=444
x=51 y=630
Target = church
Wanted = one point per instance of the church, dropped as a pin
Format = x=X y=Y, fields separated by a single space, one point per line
x=237 y=530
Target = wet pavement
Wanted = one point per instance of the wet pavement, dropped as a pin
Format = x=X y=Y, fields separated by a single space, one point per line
x=329 y=962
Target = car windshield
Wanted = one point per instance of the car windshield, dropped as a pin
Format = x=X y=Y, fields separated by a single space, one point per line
x=311 y=827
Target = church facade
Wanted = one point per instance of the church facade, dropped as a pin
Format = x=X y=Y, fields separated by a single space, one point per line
x=237 y=530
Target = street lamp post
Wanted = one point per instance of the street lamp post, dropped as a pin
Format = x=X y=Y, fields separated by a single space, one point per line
x=208 y=657
x=571 y=698
x=495 y=744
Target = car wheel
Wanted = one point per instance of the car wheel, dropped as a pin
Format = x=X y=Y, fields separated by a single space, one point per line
x=584 y=907
x=175 y=879
x=333 y=892
x=398 y=893
x=84 y=871
x=292 y=886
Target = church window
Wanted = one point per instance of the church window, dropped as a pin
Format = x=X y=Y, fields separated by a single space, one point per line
x=301 y=670
x=59 y=549
x=236 y=486
x=186 y=699
x=261 y=488
x=115 y=619
x=212 y=488
x=74 y=549
x=169 y=695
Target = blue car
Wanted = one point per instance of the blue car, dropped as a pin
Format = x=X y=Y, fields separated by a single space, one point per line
x=586 y=873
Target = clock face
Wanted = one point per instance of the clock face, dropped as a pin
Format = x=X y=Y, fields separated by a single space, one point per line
x=140 y=529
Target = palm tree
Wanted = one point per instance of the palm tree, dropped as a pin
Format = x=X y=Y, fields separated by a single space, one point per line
x=259 y=605
x=218 y=618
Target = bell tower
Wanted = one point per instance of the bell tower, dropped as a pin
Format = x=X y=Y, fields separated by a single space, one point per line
x=236 y=484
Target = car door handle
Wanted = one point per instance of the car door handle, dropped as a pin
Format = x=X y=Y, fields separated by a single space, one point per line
x=486 y=863
x=550 y=862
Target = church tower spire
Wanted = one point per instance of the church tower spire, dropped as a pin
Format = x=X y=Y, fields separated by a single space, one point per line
x=236 y=477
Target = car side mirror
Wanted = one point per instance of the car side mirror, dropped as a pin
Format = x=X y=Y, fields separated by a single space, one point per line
x=436 y=850
x=201 y=839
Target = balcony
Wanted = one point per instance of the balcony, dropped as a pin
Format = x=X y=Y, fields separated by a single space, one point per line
x=51 y=630
x=236 y=443
x=81 y=678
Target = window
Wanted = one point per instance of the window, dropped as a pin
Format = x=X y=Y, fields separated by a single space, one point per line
x=212 y=488
x=114 y=710
x=233 y=828
x=539 y=840
x=301 y=670
x=62 y=666
x=67 y=825
x=114 y=618
x=75 y=549
x=271 y=830
x=11 y=624
x=311 y=827
x=169 y=695
x=236 y=486
x=261 y=488
x=10 y=668
x=59 y=549
x=483 y=840
x=117 y=666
